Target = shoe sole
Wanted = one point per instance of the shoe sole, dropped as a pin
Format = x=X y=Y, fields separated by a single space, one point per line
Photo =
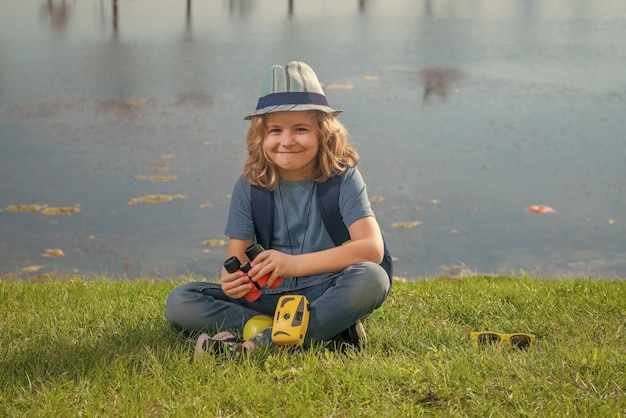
x=360 y=332
x=206 y=343
x=199 y=351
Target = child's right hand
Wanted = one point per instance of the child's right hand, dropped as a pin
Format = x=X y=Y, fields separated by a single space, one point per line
x=272 y=263
x=235 y=285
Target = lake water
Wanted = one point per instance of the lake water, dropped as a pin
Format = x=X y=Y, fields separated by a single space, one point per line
x=464 y=114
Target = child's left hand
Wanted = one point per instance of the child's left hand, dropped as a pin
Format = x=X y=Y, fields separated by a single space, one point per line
x=275 y=263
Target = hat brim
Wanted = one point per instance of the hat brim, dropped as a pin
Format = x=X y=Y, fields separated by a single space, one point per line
x=293 y=108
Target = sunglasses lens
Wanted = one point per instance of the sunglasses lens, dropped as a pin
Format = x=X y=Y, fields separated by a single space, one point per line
x=488 y=338
x=520 y=341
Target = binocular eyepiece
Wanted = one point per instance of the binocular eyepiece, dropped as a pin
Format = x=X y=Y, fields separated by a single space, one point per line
x=232 y=264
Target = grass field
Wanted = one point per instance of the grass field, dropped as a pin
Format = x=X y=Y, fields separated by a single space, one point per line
x=74 y=347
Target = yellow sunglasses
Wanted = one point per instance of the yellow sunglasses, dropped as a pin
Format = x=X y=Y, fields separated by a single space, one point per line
x=517 y=340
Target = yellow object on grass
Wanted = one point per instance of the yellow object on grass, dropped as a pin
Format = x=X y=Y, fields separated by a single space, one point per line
x=255 y=325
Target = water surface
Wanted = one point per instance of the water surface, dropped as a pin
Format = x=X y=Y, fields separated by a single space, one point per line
x=464 y=114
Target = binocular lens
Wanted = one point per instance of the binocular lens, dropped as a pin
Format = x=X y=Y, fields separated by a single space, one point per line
x=252 y=251
x=232 y=264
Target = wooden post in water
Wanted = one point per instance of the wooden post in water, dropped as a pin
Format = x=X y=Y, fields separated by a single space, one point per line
x=115 y=18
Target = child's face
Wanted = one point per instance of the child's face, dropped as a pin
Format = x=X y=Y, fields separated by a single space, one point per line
x=292 y=143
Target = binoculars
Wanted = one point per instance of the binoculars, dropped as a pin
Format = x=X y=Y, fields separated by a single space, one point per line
x=232 y=264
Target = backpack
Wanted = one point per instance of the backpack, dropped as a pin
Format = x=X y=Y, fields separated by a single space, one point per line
x=328 y=201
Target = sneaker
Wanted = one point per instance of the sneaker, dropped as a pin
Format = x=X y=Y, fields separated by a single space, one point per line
x=223 y=343
x=355 y=336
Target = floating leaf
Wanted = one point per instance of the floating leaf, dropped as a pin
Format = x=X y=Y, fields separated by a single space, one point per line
x=24 y=208
x=370 y=77
x=434 y=202
x=135 y=103
x=376 y=199
x=53 y=252
x=167 y=156
x=347 y=86
x=214 y=243
x=406 y=225
x=123 y=106
x=610 y=221
x=156 y=198
x=31 y=269
x=151 y=198
x=66 y=211
x=160 y=165
x=206 y=205
x=156 y=179
x=162 y=178
x=540 y=209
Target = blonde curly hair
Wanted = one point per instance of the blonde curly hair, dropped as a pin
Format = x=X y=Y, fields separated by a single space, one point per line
x=335 y=152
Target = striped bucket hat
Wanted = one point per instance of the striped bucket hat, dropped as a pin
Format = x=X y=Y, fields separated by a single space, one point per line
x=294 y=87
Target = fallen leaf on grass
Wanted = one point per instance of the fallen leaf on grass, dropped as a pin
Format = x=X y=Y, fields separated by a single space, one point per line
x=406 y=225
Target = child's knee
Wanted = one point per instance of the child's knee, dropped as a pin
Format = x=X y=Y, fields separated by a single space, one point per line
x=174 y=311
x=376 y=278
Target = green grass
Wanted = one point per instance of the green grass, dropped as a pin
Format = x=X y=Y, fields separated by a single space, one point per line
x=71 y=347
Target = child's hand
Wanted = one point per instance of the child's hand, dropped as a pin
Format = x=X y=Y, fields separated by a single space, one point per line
x=235 y=285
x=275 y=263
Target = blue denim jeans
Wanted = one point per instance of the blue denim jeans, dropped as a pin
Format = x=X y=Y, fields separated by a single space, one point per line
x=337 y=301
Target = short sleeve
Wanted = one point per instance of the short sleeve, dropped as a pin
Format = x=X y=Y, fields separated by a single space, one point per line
x=240 y=224
x=354 y=203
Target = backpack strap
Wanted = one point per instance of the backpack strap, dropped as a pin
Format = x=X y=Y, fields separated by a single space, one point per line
x=328 y=202
x=262 y=204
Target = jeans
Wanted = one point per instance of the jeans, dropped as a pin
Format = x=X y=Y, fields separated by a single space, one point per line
x=337 y=301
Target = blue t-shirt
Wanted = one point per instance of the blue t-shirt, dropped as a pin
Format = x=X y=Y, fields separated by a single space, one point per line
x=298 y=224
